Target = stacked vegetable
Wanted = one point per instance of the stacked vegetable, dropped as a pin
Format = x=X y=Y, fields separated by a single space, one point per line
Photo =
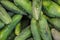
x=29 y=19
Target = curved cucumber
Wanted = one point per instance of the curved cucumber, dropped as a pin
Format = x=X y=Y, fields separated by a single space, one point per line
x=8 y=29
x=26 y=5
x=24 y=34
x=44 y=28
x=11 y=6
x=4 y=16
x=51 y=8
x=34 y=29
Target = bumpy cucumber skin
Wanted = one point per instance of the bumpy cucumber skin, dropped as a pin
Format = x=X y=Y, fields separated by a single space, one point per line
x=44 y=29
x=51 y=8
x=24 y=34
x=8 y=29
x=55 y=22
x=1 y=24
x=18 y=29
x=11 y=6
x=4 y=16
x=26 y=5
x=34 y=29
x=37 y=4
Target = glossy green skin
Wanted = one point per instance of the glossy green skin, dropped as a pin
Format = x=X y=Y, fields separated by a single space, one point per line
x=1 y=24
x=8 y=29
x=26 y=5
x=11 y=6
x=37 y=4
x=55 y=22
x=24 y=34
x=51 y=8
x=44 y=29
x=34 y=29
x=18 y=29
x=57 y=1
x=4 y=16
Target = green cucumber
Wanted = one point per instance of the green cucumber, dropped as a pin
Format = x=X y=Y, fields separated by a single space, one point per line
x=1 y=24
x=18 y=29
x=57 y=1
x=4 y=16
x=37 y=4
x=24 y=34
x=51 y=8
x=34 y=29
x=44 y=28
x=11 y=6
x=26 y=5
x=8 y=29
x=55 y=22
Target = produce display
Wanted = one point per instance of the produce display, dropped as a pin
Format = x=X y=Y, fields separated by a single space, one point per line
x=29 y=19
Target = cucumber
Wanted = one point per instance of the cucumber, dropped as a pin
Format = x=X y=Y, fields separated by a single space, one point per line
x=44 y=28
x=1 y=24
x=34 y=29
x=37 y=4
x=4 y=16
x=57 y=1
x=55 y=22
x=26 y=5
x=18 y=29
x=11 y=7
x=24 y=34
x=8 y=29
x=51 y=9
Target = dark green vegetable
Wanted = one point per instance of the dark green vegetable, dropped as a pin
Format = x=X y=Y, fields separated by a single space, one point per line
x=55 y=22
x=11 y=6
x=34 y=29
x=26 y=5
x=1 y=24
x=57 y=1
x=44 y=28
x=8 y=29
x=51 y=9
x=18 y=29
x=24 y=34
x=4 y=16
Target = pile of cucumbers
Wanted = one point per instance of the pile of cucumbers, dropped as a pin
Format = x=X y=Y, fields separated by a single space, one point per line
x=29 y=19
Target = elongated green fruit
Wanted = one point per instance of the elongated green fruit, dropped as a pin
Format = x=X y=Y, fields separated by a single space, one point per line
x=37 y=4
x=55 y=34
x=51 y=8
x=18 y=29
x=26 y=5
x=44 y=28
x=8 y=29
x=55 y=22
x=1 y=24
x=57 y=1
x=24 y=34
x=34 y=29
x=4 y=16
x=11 y=6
